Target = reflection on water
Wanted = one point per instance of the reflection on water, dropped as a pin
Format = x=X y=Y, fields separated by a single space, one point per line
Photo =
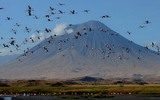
x=5 y=98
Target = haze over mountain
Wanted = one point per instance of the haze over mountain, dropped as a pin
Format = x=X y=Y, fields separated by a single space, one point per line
x=91 y=49
x=6 y=58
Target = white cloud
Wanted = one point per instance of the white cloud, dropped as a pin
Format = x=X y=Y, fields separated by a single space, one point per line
x=33 y=36
x=59 y=29
x=150 y=44
x=42 y=36
x=156 y=43
x=69 y=31
x=4 y=52
x=39 y=37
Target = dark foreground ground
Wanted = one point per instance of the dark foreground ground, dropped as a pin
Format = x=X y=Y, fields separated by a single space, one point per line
x=117 y=97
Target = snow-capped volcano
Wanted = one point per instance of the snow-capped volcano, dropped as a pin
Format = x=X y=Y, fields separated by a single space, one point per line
x=91 y=49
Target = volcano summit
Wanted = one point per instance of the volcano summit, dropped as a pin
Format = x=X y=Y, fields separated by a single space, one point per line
x=91 y=49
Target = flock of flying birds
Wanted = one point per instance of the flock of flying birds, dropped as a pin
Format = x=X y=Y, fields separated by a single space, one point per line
x=152 y=43
x=77 y=35
x=30 y=10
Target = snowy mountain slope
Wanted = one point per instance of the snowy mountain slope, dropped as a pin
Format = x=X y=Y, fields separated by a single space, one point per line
x=92 y=49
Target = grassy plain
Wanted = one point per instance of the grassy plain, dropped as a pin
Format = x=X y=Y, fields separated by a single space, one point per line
x=109 y=89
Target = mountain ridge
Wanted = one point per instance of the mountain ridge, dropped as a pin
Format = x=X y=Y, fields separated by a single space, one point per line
x=92 y=49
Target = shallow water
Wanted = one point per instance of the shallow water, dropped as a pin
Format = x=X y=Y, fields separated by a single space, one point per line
x=5 y=98
x=117 y=97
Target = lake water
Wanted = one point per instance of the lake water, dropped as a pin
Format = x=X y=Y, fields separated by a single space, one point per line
x=117 y=97
x=5 y=98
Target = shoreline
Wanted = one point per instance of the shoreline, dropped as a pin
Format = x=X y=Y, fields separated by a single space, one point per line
x=116 y=97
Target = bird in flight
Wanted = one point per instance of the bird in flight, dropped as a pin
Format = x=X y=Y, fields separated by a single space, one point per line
x=106 y=16
x=52 y=8
x=129 y=32
x=17 y=24
x=61 y=4
x=147 y=22
x=86 y=11
x=8 y=18
x=1 y=8
x=141 y=26
x=61 y=12
x=73 y=12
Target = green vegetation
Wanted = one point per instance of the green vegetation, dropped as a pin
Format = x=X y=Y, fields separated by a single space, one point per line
x=82 y=91
x=77 y=89
x=85 y=89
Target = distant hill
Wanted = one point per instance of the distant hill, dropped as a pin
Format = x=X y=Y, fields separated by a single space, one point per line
x=81 y=81
x=86 y=79
x=27 y=83
x=91 y=49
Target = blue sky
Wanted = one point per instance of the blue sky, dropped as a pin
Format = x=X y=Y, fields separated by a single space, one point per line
x=125 y=15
